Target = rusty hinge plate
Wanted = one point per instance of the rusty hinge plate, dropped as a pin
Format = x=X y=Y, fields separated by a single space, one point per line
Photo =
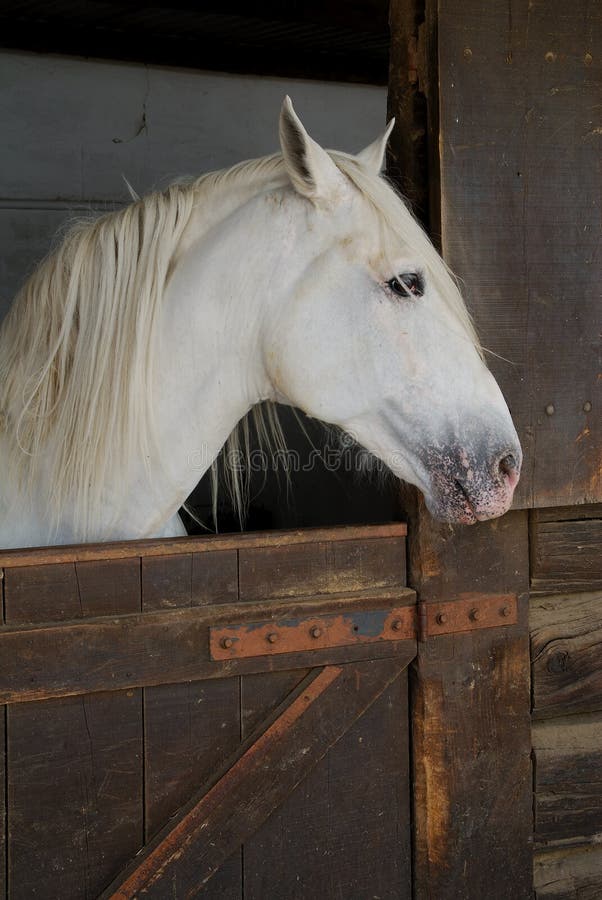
x=341 y=629
x=470 y=612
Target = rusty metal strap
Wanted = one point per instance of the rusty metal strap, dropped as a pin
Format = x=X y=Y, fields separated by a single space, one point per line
x=361 y=626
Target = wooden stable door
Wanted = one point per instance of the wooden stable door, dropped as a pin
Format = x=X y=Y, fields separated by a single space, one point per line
x=211 y=718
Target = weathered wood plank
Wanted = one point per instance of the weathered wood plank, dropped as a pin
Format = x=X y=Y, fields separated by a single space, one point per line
x=471 y=723
x=217 y=822
x=164 y=647
x=3 y=836
x=74 y=764
x=38 y=556
x=521 y=189
x=569 y=875
x=568 y=781
x=189 y=729
x=321 y=568
x=566 y=555
x=566 y=648
x=339 y=834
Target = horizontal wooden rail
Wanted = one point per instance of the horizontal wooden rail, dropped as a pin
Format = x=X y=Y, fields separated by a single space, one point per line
x=37 y=556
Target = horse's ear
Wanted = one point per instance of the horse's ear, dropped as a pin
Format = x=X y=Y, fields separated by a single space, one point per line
x=373 y=156
x=312 y=171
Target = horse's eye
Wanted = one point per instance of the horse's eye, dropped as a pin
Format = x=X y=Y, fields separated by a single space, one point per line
x=406 y=284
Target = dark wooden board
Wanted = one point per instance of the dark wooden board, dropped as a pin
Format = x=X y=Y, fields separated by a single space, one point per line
x=321 y=568
x=37 y=556
x=189 y=729
x=75 y=764
x=576 y=875
x=164 y=647
x=566 y=555
x=3 y=849
x=521 y=198
x=220 y=818
x=339 y=834
x=568 y=781
x=566 y=648
x=471 y=723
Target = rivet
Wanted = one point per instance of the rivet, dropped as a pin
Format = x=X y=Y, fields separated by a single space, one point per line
x=588 y=59
x=227 y=643
x=397 y=625
x=316 y=632
x=467 y=54
x=550 y=56
x=587 y=407
x=474 y=615
x=273 y=637
x=505 y=611
x=550 y=409
x=441 y=618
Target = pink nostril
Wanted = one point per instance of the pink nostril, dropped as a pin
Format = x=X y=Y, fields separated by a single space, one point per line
x=508 y=468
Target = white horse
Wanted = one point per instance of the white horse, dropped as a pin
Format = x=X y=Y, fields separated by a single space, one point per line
x=134 y=349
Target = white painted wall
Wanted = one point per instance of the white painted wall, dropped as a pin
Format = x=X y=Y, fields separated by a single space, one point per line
x=69 y=129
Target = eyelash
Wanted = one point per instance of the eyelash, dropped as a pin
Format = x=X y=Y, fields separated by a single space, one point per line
x=408 y=284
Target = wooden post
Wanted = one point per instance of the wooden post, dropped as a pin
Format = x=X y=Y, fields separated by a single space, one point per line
x=470 y=692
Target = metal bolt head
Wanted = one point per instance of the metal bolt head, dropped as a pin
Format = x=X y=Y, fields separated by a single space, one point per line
x=272 y=637
x=587 y=407
x=505 y=611
x=550 y=409
x=474 y=615
x=441 y=618
x=316 y=631
x=227 y=643
x=397 y=625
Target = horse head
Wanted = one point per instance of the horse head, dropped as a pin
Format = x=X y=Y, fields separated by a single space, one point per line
x=373 y=335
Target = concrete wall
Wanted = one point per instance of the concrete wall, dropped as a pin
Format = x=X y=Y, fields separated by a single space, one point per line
x=70 y=128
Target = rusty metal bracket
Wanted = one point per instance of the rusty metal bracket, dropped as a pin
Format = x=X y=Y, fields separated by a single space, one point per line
x=470 y=612
x=342 y=629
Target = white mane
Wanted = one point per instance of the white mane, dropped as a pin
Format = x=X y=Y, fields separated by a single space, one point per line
x=79 y=346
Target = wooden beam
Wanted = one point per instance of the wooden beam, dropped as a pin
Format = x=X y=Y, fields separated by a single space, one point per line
x=119 y=652
x=37 y=556
x=566 y=550
x=186 y=854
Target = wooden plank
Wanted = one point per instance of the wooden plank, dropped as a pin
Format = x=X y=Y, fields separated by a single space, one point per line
x=3 y=836
x=322 y=567
x=569 y=875
x=521 y=189
x=215 y=823
x=340 y=833
x=74 y=764
x=566 y=647
x=37 y=556
x=566 y=555
x=568 y=781
x=189 y=729
x=117 y=652
x=471 y=723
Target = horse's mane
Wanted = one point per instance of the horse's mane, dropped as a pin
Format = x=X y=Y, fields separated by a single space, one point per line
x=78 y=347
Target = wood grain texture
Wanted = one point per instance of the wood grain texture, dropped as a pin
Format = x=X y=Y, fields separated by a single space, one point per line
x=566 y=649
x=568 y=781
x=37 y=556
x=3 y=837
x=566 y=555
x=569 y=875
x=471 y=723
x=218 y=821
x=521 y=196
x=117 y=652
x=75 y=764
x=339 y=834
x=189 y=729
x=321 y=568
